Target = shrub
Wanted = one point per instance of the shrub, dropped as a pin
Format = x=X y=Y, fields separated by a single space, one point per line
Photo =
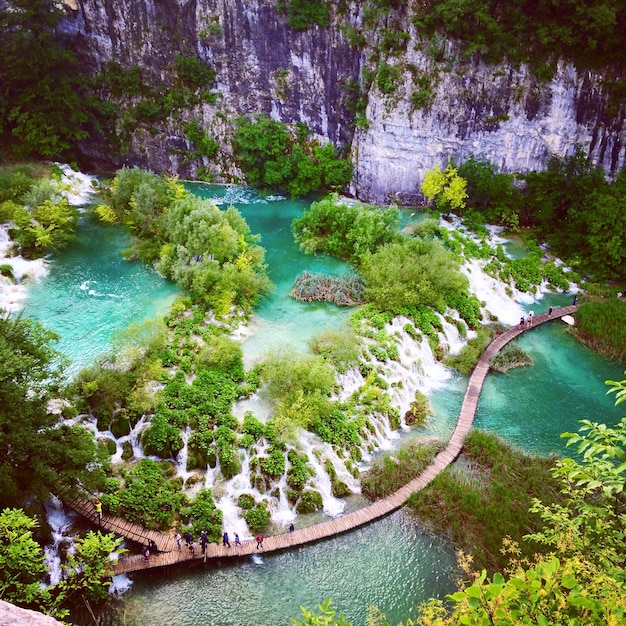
x=310 y=501
x=419 y=411
x=257 y=518
x=204 y=515
x=246 y=501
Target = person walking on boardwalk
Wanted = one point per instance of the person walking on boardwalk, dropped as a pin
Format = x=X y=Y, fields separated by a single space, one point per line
x=575 y=300
x=225 y=541
x=292 y=528
x=550 y=310
x=188 y=538
x=178 y=538
x=237 y=542
x=259 y=541
x=521 y=322
x=98 y=507
x=530 y=317
x=146 y=554
x=203 y=542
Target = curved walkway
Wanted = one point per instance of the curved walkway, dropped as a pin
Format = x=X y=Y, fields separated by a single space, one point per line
x=322 y=530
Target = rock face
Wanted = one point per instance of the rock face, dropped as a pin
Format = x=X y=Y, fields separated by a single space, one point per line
x=11 y=615
x=439 y=106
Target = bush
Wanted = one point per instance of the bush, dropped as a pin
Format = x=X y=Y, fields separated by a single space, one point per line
x=204 y=515
x=345 y=231
x=339 y=346
x=412 y=272
x=246 y=501
x=272 y=154
x=310 y=501
x=257 y=518
x=601 y=324
x=419 y=411
x=148 y=498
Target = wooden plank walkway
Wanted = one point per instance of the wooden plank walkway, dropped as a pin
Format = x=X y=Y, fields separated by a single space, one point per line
x=171 y=555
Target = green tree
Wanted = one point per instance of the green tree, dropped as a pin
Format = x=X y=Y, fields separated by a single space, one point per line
x=213 y=255
x=37 y=454
x=44 y=109
x=22 y=563
x=347 y=231
x=447 y=189
x=410 y=273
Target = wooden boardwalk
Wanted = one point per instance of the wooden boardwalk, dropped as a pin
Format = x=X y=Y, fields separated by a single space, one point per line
x=171 y=555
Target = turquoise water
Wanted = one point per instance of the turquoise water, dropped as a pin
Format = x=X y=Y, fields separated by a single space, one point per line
x=90 y=292
x=392 y=564
x=280 y=320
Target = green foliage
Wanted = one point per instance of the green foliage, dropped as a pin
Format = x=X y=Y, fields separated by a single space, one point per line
x=37 y=454
x=46 y=221
x=193 y=72
x=587 y=33
x=574 y=192
x=22 y=563
x=310 y=501
x=339 y=346
x=89 y=567
x=298 y=387
x=274 y=464
x=324 y=617
x=205 y=146
x=212 y=254
x=246 y=501
x=304 y=14
x=257 y=518
x=418 y=412
x=387 y=77
x=224 y=355
x=274 y=155
x=148 y=497
x=298 y=473
x=345 y=231
x=447 y=189
x=394 y=470
x=202 y=514
x=44 y=109
x=412 y=272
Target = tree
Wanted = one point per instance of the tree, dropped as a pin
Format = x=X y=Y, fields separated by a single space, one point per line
x=447 y=188
x=22 y=563
x=43 y=108
x=412 y=272
x=37 y=454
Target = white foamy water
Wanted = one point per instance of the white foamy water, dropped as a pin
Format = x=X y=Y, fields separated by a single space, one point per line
x=62 y=538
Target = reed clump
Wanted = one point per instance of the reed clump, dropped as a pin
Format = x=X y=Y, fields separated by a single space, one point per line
x=509 y=357
x=481 y=504
x=601 y=324
x=394 y=470
x=340 y=290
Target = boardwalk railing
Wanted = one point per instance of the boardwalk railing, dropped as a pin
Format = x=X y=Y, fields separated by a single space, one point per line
x=171 y=554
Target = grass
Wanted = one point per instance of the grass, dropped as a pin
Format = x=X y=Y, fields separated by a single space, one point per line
x=481 y=504
x=601 y=324
x=394 y=470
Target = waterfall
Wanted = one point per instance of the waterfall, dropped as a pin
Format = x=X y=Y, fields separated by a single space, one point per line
x=332 y=506
x=62 y=538
x=78 y=188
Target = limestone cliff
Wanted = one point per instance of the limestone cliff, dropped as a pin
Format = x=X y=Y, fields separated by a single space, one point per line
x=429 y=106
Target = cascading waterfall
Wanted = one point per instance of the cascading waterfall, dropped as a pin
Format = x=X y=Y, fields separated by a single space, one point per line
x=62 y=538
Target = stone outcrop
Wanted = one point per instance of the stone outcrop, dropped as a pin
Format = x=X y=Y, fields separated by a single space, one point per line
x=442 y=106
x=11 y=615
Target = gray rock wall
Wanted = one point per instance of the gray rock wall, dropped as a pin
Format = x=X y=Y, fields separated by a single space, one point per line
x=263 y=66
x=11 y=615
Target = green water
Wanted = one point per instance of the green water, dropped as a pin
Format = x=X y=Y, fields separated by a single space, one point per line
x=392 y=563
x=90 y=292
x=280 y=320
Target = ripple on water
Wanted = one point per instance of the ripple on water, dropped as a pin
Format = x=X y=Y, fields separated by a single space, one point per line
x=347 y=568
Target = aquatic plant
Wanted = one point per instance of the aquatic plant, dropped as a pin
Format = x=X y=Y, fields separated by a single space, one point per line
x=601 y=324
x=394 y=470
x=340 y=290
